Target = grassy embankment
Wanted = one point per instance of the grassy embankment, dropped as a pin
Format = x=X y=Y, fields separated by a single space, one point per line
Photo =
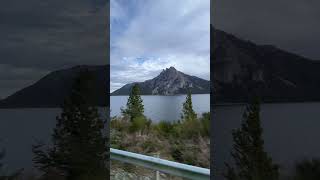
x=181 y=141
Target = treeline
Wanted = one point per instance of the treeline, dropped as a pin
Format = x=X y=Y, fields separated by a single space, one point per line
x=187 y=139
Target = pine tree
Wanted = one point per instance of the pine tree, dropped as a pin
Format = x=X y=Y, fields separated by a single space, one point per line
x=135 y=108
x=251 y=161
x=188 y=113
x=80 y=140
x=190 y=126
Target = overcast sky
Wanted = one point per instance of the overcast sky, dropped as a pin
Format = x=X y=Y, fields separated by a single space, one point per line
x=39 y=36
x=292 y=25
x=150 y=35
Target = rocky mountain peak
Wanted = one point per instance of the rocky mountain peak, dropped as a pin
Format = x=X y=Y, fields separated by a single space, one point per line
x=169 y=73
x=169 y=82
x=170 y=70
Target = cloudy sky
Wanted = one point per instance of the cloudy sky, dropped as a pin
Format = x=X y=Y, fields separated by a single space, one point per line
x=292 y=25
x=150 y=35
x=40 y=36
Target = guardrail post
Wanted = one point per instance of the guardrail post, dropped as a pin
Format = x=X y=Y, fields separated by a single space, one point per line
x=157 y=172
x=157 y=175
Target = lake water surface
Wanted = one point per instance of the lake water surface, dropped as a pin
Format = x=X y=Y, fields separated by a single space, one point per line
x=159 y=108
x=22 y=128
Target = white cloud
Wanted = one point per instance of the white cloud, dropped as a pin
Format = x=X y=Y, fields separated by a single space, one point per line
x=148 y=36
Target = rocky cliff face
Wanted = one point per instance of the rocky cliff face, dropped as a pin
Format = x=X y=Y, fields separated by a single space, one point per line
x=169 y=82
x=241 y=69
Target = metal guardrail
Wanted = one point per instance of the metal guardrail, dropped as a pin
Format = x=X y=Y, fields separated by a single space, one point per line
x=157 y=164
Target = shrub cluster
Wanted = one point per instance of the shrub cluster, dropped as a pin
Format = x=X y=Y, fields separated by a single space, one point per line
x=181 y=141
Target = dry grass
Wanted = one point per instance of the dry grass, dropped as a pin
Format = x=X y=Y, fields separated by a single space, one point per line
x=193 y=150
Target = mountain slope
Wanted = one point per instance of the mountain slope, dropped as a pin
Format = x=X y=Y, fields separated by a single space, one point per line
x=241 y=68
x=51 y=89
x=169 y=82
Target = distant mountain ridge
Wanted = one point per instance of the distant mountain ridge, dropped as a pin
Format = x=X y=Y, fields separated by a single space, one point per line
x=51 y=90
x=169 y=82
x=241 y=69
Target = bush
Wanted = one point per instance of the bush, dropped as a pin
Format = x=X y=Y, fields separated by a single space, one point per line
x=176 y=151
x=139 y=124
x=116 y=138
x=150 y=146
x=205 y=124
x=119 y=124
x=185 y=129
x=190 y=157
x=166 y=129
x=190 y=129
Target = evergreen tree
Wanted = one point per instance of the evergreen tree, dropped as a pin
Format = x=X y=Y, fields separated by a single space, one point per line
x=251 y=161
x=80 y=140
x=188 y=113
x=190 y=126
x=135 y=108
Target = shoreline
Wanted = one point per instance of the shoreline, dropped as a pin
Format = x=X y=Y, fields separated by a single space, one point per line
x=222 y=104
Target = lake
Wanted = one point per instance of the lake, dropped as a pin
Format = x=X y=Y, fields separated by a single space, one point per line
x=166 y=108
x=291 y=132
x=20 y=129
